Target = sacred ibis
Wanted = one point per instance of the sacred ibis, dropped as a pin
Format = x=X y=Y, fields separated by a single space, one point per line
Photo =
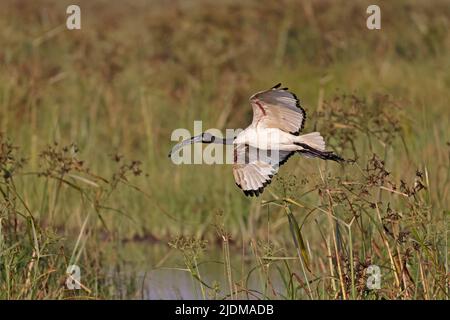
x=269 y=141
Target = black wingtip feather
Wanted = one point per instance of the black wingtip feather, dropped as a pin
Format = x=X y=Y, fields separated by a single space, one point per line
x=258 y=192
x=298 y=105
x=276 y=86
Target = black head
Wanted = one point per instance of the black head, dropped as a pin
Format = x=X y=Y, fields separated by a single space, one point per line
x=208 y=137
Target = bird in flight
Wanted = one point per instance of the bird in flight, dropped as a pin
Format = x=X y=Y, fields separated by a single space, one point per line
x=269 y=141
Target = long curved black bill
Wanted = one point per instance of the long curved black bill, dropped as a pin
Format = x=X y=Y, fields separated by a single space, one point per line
x=184 y=143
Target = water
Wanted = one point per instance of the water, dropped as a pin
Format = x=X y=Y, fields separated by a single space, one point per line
x=158 y=272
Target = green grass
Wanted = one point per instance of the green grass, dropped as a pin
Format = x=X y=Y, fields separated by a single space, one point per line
x=135 y=72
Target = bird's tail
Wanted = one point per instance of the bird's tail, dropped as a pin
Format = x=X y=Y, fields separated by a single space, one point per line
x=312 y=145
x=313 y=139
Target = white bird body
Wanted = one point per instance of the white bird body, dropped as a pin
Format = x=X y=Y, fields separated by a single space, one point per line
x=276 y=139
x=267 y=139
x=278 y=119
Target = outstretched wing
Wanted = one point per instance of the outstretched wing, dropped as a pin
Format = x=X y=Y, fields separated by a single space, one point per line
x=278 y=108
x=254 y=168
